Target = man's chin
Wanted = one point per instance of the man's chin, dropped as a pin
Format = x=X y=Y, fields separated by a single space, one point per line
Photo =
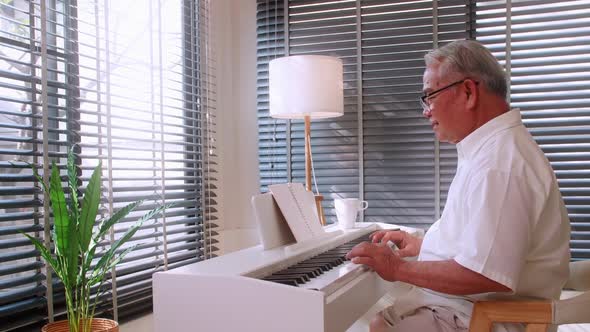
x=440 y=137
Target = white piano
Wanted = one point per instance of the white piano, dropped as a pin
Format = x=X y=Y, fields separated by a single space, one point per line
x=272 y=290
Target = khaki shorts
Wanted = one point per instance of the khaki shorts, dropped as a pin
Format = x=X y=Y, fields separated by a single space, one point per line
x=424 y=319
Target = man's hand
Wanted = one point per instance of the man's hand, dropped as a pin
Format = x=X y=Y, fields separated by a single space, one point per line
x=377 y=256
x=409 y=246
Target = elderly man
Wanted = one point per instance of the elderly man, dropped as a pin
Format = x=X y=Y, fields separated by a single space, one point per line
x=504 y=229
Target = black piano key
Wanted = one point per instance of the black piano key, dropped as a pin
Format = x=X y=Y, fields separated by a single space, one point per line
x=296 y=280
x=321 y=259
x=302 y=277
x=283 y=281
x=332 y=261
x=310 y=272
x=321 y=267
x=313 y=268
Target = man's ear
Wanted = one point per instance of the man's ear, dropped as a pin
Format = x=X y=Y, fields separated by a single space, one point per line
x=472 y=93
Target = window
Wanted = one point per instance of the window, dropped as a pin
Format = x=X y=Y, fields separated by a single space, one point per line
x=129 y=85
x=382 y=150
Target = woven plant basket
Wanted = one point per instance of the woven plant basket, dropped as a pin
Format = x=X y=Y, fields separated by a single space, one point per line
x=98 y=325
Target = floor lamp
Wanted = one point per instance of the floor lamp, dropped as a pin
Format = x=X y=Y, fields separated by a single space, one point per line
x=306 y=87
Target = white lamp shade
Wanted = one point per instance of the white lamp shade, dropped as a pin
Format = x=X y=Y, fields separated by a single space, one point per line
x=305 y=85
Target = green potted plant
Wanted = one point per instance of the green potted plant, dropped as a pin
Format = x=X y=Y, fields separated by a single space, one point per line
x=75 y=240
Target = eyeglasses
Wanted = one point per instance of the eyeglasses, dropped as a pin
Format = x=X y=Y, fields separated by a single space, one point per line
x=425 y=98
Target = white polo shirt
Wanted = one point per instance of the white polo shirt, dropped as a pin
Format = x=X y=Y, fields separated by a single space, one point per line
x=504 y=218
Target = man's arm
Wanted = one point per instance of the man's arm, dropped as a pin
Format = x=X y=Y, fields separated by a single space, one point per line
x=447 y=277
x=442 y=276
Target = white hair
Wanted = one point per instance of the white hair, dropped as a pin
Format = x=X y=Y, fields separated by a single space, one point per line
x=471 y=59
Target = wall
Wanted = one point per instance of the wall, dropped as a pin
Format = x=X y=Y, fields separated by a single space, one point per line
x=234 y=26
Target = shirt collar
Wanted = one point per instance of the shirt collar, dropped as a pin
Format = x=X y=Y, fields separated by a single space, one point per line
x=470 y=145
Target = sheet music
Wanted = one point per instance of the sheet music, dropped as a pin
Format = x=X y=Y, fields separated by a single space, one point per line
x=273 y=229
x=299 y=209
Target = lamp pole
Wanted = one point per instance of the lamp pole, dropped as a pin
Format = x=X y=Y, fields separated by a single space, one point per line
x=307 y=153
x=318 y=198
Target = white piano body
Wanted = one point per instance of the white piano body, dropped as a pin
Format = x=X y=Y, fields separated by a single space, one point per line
x=226 y=293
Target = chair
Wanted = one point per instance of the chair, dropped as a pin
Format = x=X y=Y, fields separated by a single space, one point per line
x=539 y=314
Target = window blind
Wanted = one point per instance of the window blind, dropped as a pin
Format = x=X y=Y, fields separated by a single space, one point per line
x=23 y=277
x=381 y=149
x=545 y=48
x=273 y=143
x=407 y=171
x=131 y=85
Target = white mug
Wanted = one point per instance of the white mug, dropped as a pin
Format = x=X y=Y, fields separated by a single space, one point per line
x=347 y=209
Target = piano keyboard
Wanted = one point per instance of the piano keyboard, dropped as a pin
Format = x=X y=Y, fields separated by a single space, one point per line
x=324 y=272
